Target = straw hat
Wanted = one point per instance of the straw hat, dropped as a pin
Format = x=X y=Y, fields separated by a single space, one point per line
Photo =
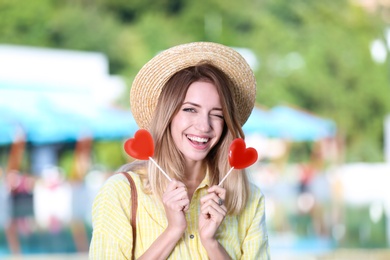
x=153 y=75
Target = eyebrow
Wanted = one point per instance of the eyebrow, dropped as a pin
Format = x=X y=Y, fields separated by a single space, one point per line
x=197 y=105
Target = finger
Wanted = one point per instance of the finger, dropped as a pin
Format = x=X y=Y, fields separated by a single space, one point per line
x=214 y=205
x=183 y=205
x=216 y=213
x=176 y=203
x=208 y=197
x=176 y=190
x=214 y=197
x=186 y=204
x=175 y=184
x=221 y=192
x=172 y=198
x=179 y=193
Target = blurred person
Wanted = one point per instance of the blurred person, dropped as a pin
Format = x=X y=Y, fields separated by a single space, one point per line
x=5 y=202
x=194 y=99
x=20 y=187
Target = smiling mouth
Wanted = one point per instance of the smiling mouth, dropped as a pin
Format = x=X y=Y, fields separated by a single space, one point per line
x=197 y=139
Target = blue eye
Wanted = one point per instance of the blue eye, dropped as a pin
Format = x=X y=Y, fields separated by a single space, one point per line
x=189 y=110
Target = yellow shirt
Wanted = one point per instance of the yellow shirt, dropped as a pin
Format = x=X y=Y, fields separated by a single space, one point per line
x=243 y=237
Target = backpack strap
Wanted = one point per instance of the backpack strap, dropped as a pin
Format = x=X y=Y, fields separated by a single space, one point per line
x=134 y=206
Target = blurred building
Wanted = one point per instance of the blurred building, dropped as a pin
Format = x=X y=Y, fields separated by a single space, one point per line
x=52 y=96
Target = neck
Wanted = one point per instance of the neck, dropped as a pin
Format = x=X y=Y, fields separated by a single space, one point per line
x=194 y=171
x=194 y=175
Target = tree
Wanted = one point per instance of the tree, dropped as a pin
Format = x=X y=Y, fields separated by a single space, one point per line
x=316 y=55
x=313 y=54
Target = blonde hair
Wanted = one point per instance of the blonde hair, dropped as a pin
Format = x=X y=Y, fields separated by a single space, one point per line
x=170 y=158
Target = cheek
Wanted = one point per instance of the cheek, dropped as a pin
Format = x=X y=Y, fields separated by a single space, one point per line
x=218 y=127
x=178 y=125
x=178 y=121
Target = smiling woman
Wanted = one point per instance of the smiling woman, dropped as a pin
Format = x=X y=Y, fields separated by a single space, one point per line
x=194 y=99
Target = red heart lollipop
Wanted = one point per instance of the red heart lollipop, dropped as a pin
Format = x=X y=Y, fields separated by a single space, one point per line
x=241 y=157
x=141 y=146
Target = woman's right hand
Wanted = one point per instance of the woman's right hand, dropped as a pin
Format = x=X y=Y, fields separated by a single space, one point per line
x=176 y=203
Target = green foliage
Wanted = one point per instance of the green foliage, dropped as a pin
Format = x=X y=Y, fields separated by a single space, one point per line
x=66 y=162
x=336 y=77
x=361 y=231
x=24 y=22
x=110 y=154
x=72 y=27
x=130 y=11
x=313 y=54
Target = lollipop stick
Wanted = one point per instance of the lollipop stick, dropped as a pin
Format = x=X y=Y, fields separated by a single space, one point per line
x=227 y=174
x=158 y=166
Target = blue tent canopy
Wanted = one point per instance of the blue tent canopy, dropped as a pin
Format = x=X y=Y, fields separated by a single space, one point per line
x=302 y=126
x=58 y=96
x=52 y=117
x=289 y=123
x=261 y=121
x=7 y=130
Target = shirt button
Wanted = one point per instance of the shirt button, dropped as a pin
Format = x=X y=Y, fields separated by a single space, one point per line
x=192 y=236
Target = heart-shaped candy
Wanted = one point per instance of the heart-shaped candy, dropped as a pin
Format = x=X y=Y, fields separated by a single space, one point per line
x=141 y=146
x=241 y=157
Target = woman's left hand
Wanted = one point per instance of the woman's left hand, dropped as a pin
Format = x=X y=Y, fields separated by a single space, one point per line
x=212 y=213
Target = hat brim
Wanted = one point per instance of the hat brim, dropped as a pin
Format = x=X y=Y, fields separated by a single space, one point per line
x=149 y=81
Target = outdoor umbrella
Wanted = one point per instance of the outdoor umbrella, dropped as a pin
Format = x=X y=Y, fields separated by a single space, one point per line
x=302 y=126
x=7 y=130
x=262 y=122
x=57 y=117
x=288 y=123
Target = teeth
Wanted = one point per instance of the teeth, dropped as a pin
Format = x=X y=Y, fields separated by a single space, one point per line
x=198 y=139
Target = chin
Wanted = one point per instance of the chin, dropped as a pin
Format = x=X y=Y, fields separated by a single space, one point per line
x=195 y=158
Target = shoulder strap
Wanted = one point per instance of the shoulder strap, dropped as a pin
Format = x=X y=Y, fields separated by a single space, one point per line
x=134 y=205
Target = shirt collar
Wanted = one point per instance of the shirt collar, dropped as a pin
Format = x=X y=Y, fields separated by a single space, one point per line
x=206 y=180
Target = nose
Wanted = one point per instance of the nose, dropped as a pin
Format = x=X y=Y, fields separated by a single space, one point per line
x=203 y=123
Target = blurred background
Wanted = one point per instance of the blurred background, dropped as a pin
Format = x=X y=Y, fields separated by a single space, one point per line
x=321 y=124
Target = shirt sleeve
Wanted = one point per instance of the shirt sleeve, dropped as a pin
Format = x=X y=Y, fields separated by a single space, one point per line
x=112 y=233
x=255 y=244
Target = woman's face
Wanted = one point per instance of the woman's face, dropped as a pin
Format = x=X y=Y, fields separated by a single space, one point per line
x=198 y=125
